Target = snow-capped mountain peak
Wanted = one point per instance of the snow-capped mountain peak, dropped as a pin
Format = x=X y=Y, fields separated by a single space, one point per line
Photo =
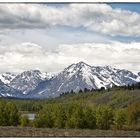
x=79 y=68
x=31 y=74
x=27 y=80
x=81 y=75
x=82 y=64
x=35 y=84
x=7 y=77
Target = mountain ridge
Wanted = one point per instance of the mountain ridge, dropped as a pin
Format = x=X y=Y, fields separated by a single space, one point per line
x=34 y=84
x=81 y=75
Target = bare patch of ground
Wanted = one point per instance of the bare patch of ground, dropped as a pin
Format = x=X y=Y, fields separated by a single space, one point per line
x=48 y=132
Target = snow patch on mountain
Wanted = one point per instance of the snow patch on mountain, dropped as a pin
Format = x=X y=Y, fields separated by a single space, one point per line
x=81 y=75
x=27 y=80
x=34 y=84
x=7 y=91
x=7 y=77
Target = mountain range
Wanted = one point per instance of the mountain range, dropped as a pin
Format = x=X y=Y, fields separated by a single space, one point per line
x=34 y=84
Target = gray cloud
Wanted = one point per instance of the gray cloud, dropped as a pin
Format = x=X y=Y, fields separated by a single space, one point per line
x=94 y=17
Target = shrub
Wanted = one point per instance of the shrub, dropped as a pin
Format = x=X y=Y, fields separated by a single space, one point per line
x=9 y=115
x=45 y=117
x=134 y=113
x=14 y=117
x=59 y=116
x=24 y=121
x=89 y=118
x=120 y=118
x=3 y=114
x=104 y=117
x=77 y=118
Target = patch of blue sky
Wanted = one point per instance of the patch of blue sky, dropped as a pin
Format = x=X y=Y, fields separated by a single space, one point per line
x=126 y=39
x=135 y=7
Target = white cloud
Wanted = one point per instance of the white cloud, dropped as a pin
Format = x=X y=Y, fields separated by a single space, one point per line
x=100 y=18
x=26 y=56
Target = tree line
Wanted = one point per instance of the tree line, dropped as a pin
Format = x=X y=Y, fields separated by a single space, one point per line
x=74 y=115
x=85 y=90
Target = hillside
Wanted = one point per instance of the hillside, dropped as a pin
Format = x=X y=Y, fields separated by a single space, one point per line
x=115 y=97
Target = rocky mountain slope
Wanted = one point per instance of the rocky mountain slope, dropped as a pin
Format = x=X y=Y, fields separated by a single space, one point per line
x=27 y=80
x=34 y=84
x=80 y=76
x=7 y=77
x=7 y=91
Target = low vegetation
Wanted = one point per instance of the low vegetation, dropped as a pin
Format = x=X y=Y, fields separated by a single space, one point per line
x=9 y=115
x=113 y=109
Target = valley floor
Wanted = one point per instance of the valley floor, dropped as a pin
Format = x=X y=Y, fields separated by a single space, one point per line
x=46 y=132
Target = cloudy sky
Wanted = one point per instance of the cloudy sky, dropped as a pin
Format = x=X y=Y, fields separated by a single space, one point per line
x=49 y=37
